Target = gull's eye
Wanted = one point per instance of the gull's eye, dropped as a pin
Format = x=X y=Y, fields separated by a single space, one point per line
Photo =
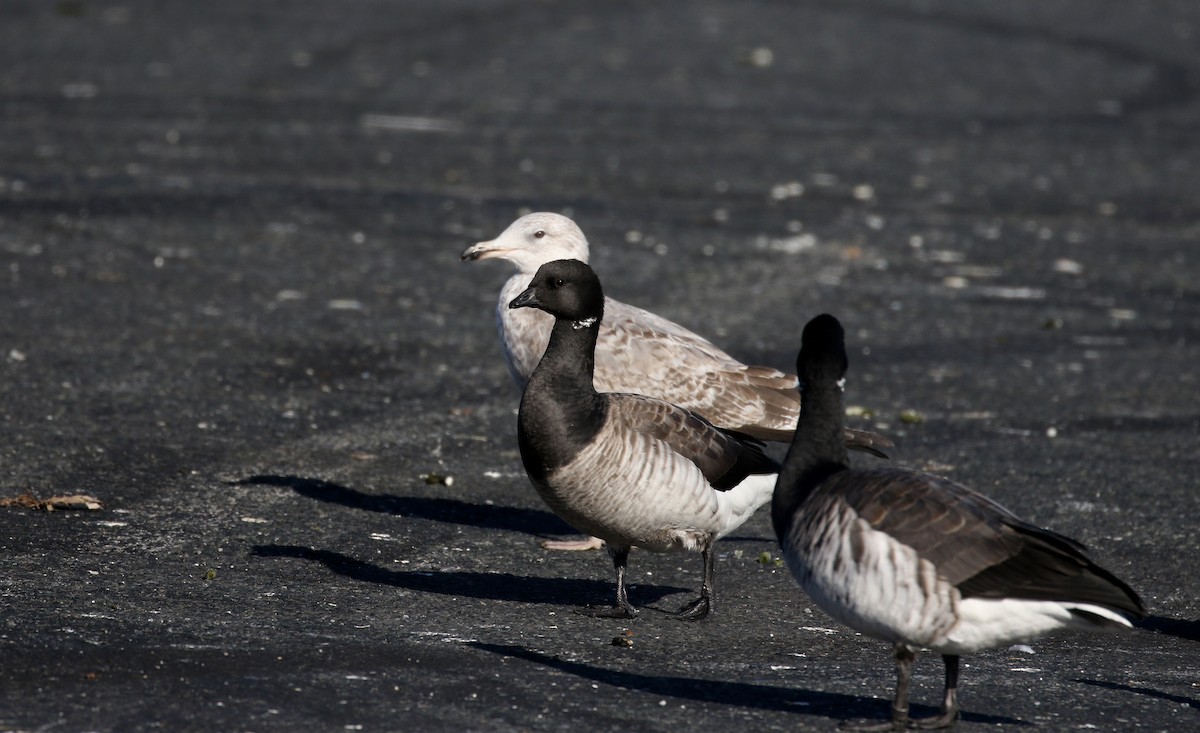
x=539 y=234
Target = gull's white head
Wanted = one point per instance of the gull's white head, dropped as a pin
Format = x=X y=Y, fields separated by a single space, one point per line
x=532 y=241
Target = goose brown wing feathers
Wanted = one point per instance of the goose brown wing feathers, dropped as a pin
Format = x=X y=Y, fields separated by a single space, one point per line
x=723 y=457
x=978 y=545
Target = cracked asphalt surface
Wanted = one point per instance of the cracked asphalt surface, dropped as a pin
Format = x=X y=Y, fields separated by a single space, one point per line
x=234 y=313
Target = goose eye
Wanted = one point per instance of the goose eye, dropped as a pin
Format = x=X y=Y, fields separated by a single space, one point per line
x=559 y=282
x=539 y=234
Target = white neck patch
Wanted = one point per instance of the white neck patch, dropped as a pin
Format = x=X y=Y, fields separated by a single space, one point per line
x=841 y=383
x=585 y=323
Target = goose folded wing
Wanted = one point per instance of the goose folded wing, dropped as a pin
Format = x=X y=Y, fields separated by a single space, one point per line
x=979 y=546
x=723 y=457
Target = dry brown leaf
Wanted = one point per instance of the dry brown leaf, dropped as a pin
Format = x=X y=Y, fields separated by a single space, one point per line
x=25 y=501
x=74 y=501
x=54 y=503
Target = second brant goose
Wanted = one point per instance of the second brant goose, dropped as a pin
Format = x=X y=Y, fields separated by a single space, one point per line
x=632 y=470
x=918 y=560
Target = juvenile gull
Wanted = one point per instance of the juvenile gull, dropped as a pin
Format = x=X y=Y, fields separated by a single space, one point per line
x=918 y=560
x=640 y=352
x=632 y=470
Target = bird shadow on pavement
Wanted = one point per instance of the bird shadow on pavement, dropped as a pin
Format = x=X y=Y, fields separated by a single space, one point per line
x=440 y=509
x=490 y=586
x=1189 y=701
x=1189 y=630
x=847 y=708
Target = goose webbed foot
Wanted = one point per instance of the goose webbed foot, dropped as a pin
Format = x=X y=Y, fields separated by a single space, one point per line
x=694 y=611
x=627 y=611
x=623 y=609
x=898 y=722
x=945 y=720
x=591 y=543
x=949 y=712
x=900 y=719
x=702 y=606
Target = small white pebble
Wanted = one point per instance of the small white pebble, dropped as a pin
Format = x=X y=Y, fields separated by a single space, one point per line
x=782 y=191
x=792 y=245
x=1051 y=432
x=762 y=57
x=1068 y=267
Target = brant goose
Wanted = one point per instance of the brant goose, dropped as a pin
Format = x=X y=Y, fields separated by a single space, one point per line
x=632 y=470
x=918 y=560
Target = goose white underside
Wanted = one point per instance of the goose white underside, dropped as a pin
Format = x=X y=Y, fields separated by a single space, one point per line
x=880 y=587
x=653 y=497
x=987 y=624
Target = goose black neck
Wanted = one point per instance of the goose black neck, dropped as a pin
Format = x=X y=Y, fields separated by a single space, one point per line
x=818 y=450
x=570 y=359
x=561 y=412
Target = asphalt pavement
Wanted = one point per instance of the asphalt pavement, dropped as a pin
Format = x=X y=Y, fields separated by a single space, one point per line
x=233 y=312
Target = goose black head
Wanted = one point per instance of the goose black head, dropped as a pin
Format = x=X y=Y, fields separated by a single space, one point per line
x=822 y=358
x=565 y=289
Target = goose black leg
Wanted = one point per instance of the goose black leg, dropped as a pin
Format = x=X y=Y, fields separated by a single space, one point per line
x=623 y=609
x=700 y=608
x=904 y=663
x=949 y=700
